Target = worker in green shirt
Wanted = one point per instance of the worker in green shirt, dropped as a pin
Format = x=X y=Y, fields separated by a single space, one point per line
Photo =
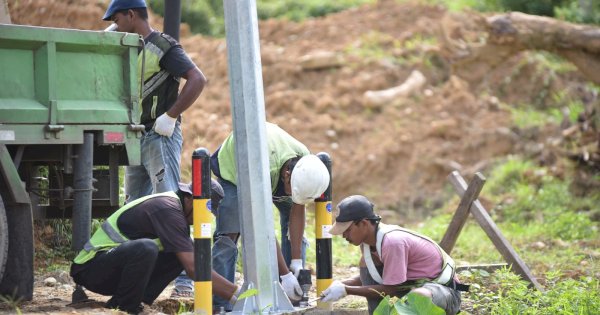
x=297 y=177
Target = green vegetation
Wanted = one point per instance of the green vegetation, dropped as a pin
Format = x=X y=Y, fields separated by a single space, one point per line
x=535 y=206
x=526 y=116
x=298 y=10
x=376 y=46
x=503 y=292
x=206 y=16
x=411 y=304
x=10 y=304
x=578 y=11
x=549 y=227
x=545 y=105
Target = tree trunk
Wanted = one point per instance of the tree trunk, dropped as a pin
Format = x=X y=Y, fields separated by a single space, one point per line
x=510 y=33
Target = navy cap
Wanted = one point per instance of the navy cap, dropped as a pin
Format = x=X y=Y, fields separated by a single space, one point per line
x=118 y=5
x=216 y=191
x=350 y=209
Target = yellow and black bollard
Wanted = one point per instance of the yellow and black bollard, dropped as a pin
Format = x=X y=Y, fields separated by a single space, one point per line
x=201 y=186
x=323 y=224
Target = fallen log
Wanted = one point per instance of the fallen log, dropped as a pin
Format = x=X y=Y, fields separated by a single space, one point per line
x=511 y=33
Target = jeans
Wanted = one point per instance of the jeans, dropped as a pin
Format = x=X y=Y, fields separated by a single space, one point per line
x=285 y=207
x=134 y=272
x=225 y=251
x=160 y=164
x=184 y=282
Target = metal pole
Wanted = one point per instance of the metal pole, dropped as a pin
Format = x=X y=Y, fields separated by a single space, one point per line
x=201 y=187
x=323 y=224
x=254 y=184
x=82 y=184
x=172 y=18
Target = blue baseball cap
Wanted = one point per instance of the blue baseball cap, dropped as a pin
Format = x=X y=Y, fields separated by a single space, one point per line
x=118 y=5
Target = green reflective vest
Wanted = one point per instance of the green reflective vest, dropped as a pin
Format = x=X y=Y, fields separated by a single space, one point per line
x=281 y=145
x=160 y=89
x=109 y=236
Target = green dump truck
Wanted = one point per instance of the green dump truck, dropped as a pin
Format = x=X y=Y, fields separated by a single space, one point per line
x=69 y=118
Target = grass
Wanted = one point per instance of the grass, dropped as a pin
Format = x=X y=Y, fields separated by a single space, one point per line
x=547 y=225
x=375 y=46
x=461 y=5
x=207 y=16
x=528 y=116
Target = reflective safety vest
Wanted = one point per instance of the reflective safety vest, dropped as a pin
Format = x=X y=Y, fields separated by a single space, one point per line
x=445 y=277
x=160 y=88
x=109 y=236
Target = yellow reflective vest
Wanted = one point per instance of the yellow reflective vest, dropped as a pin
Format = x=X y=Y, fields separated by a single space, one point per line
x=160 y=88
x=109 y=236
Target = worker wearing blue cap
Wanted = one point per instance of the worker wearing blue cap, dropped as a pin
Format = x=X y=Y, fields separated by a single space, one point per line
x=162 y=104
x=165 y=62
x=116 y=6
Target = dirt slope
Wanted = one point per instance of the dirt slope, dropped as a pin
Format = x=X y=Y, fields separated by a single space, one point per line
x=397 y=153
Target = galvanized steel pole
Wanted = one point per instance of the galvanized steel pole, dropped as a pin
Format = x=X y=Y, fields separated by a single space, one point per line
x=254 y=184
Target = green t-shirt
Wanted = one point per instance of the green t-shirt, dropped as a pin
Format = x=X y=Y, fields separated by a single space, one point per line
x=281 y=145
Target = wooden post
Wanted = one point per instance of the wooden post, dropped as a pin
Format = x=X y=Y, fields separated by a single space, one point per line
x=492 y=231
x=462 y=213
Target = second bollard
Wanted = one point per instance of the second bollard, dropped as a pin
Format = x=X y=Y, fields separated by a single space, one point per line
x=322 y=226
x=201 y=188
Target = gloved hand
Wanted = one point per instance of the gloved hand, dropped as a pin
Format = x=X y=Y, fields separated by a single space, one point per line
x=295 y=266
x=164 y=125
x=291 y=287
x=336 y=291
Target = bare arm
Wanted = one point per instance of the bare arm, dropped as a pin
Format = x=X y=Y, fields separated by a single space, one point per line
x=354 y=286
x=194 y=84
x=281 y=265
x=221 y=286
x=371 y=291
x=296 y=227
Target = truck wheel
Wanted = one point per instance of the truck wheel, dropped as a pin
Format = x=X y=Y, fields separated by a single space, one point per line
x=3 y=239
x=17 y=281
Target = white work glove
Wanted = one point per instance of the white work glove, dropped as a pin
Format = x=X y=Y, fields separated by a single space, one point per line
x=291 y=287
x=336 y=291
x=164 y=125
x=295 y=266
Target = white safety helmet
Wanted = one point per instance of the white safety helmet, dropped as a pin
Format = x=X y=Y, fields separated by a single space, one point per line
x=310 y=179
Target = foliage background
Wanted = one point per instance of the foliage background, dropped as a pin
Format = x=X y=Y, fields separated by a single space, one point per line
x=206 y=16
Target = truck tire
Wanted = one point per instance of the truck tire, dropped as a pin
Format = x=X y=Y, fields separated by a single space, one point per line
x=3 y=239
x=17 y=281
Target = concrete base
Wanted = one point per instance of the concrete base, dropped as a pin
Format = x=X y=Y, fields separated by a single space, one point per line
x=317 y=311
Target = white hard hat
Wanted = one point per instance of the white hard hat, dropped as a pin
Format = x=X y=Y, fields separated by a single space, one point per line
x=310 y=179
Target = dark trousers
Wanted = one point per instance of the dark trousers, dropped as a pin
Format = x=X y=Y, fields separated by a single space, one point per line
x=132 y=273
